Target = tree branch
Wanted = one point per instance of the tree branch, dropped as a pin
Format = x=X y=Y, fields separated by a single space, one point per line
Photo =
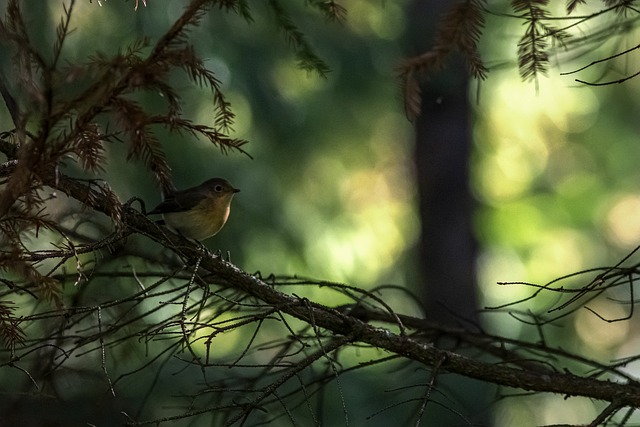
x=341 y=323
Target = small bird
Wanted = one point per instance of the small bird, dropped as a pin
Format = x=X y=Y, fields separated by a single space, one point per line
x=198 y=212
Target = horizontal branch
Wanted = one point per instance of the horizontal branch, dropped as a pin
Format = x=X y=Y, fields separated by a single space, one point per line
x=344 y=324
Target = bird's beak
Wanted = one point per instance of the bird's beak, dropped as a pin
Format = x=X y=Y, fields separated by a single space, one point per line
x=235 y=190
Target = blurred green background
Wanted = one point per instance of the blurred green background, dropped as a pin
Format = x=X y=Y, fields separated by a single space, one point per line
x=331 y=193
x=331 y=181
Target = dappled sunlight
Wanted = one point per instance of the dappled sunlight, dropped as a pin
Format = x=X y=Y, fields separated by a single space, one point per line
x=356 y=217
x=519 y=130
x=516 y=224
x=555 y=170
x=506 y=263
x=294 y=84
x=525 y=172
x=205 y=113
x=579 y=115
x=368 y=237
x=564 y=411
x=369 y=19
x=510 y=171
x=517 y=109
x=212 y=326
x=508 y=413
x=622 y=221
x=572 y=171
x=559 y=251
x=361 y=243
x=599 y=336
x=553 y=253
x=543 y=410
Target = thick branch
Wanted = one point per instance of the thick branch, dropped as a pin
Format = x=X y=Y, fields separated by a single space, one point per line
x=344 y=324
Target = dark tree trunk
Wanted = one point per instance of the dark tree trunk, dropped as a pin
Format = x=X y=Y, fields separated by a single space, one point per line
x=447 y=247
x=447 y=244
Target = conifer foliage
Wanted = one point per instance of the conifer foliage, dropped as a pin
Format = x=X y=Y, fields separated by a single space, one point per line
x=544 y=34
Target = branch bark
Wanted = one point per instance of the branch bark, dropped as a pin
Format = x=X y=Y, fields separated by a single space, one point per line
x=342 y=322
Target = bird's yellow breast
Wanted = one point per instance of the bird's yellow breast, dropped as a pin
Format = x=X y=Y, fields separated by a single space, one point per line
x=202 y=221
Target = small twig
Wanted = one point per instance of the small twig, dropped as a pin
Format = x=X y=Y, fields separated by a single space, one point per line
x=103 y=357
x=430 y=388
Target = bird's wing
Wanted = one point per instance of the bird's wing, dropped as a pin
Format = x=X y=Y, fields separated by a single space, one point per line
x=178 y=202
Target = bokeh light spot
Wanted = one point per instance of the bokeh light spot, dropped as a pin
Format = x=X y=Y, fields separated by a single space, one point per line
x=623 y=221
x=599 y=335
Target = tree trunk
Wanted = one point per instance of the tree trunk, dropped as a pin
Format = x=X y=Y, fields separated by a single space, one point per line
x=447 y=247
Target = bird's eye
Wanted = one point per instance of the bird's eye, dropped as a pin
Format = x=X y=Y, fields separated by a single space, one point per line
x=218 y=188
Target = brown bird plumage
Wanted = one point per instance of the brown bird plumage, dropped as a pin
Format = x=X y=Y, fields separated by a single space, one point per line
x=198 y=212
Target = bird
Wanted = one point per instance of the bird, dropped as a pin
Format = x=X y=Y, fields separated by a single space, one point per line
x=198 y=212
